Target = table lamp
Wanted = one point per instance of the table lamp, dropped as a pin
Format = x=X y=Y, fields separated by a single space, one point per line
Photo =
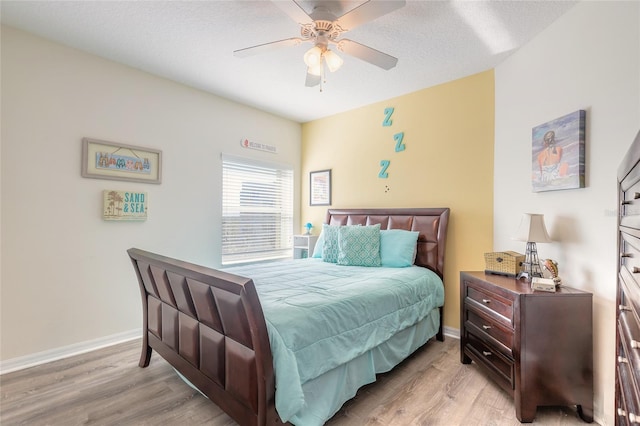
x=532 y=230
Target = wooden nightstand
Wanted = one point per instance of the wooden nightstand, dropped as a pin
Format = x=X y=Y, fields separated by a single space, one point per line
x=535 y=345
x=303 y=246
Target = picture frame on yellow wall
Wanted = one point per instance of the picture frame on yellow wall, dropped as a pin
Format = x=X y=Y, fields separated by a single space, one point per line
x=320 y=188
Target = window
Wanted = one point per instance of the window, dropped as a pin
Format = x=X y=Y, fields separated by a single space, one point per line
x=257 y=211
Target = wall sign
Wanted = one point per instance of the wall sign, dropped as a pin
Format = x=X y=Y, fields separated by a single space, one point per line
x=398 y=137
x=246 y=143
x=384 y=164
x=388 y=112
x=399 y=145
x=124 y=205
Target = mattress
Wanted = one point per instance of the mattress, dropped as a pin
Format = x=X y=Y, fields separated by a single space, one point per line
x=321 y=316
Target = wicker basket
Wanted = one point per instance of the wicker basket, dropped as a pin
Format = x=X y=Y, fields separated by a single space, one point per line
x=503 y=262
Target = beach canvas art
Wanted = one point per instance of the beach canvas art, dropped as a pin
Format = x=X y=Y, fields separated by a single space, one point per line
x=558 y=153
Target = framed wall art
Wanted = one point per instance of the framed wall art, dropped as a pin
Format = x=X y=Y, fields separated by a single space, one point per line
x=116 y=161
x=558 y=153
x=124 y=205
x=320 y=188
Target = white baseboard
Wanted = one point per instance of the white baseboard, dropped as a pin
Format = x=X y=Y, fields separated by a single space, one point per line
x=32 y=360
x=451 y=332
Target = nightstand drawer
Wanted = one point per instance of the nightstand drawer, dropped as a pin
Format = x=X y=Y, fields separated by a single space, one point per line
x=492 y=359
x=494 y=303
x=525 y=340
x=490 y=330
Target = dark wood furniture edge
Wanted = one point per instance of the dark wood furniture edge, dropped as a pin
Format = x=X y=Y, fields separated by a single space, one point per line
x=626 y=398
x=244 y=384
x=190 y=309
x=527 y=391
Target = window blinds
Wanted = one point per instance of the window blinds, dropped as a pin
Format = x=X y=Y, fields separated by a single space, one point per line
x=257 y=211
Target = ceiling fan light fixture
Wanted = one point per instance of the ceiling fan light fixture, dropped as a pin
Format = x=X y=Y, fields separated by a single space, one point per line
x=334 y=62
x=315 y=70
x=313 y=57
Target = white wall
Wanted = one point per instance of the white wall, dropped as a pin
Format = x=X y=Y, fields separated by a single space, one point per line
x=66 y=277
x=589 y=59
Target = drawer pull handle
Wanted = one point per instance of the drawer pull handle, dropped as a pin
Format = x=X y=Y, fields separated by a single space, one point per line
x=486 y=353
x=636 y=195
x=487 y=327
x=624 y=308
x=625 y=202
x=486 y=300
x=626 y=255
x=633 y=418
x=622 y=360
x=635 y=270
x=635 y=344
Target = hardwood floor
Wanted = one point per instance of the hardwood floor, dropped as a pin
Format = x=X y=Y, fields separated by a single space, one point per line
x=106 y=387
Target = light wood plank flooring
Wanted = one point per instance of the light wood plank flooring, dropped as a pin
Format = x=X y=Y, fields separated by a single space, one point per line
x=106 y=387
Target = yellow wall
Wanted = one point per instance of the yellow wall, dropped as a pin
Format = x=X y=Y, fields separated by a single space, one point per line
x=448 y=162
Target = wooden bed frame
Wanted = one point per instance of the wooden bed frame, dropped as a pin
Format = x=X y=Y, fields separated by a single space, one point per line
x=210 y=327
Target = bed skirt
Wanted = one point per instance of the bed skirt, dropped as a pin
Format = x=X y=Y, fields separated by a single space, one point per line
x=325 y=395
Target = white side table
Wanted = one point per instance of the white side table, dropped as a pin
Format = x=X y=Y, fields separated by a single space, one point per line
x=303 y=246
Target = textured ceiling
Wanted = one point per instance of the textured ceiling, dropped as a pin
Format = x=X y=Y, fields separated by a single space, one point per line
x=191 y=42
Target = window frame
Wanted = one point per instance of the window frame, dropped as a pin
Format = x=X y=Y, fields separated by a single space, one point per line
x=256 y=190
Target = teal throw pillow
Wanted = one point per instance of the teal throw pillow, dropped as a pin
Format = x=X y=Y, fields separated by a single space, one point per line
x=359 y=245
x=330 y=244
x=317 y=250
x=398 y=247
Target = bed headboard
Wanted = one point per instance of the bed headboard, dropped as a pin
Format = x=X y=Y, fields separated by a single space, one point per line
x=430 y=222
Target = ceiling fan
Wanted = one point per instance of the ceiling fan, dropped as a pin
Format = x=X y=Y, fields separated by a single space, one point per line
x=323 y=28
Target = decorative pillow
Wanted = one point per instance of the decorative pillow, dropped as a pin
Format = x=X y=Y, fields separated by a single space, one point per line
x=398 y=247
x=330 y=243
x=359 y=245
x=317 y=250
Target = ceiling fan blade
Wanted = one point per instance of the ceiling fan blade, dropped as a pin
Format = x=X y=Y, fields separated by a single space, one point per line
x=368 y=11
x=294 y=11
x=312 y=80
x=367 y=54
x=267 y=47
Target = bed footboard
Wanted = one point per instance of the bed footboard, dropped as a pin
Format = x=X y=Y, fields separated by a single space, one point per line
x=210 y=327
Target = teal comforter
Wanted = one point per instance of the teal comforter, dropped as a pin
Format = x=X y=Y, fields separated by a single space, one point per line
x=320 y=315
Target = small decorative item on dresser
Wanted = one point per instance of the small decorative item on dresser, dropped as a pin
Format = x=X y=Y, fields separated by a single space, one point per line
x=543 y=284
x=532 y=230
x=308 y=226
x=503 y=263
x=551 y=268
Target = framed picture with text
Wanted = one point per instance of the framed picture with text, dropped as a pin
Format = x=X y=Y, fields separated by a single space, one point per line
x=116 y=161
x=320 y=188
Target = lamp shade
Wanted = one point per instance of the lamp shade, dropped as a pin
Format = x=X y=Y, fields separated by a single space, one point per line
x=313 y=57
x=315 y=70
x=334 y=62
x=532 y=229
